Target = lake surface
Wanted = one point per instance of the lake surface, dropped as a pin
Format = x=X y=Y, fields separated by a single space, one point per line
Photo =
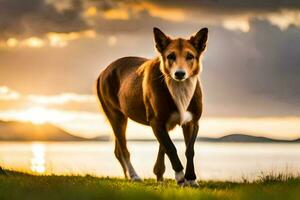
x=213 y=161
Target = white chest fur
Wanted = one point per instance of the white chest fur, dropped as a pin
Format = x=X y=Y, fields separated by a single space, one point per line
x=182 y=93
x=175 y=119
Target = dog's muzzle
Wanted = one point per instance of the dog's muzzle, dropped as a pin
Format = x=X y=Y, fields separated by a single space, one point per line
x=180 y=75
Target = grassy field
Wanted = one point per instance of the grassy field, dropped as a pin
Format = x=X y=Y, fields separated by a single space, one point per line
x=15 y=185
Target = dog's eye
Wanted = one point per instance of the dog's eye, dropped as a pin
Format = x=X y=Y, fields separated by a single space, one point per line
x=171 y=57
x=189 y=56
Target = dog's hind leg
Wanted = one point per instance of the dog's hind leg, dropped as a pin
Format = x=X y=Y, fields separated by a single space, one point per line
x=119 y=122
x=120 y=158
x=159 y=167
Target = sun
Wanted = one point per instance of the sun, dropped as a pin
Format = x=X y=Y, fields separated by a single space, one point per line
x=36 y=115
x=42 y=115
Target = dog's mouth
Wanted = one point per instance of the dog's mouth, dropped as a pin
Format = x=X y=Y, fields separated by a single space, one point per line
x=179 y=80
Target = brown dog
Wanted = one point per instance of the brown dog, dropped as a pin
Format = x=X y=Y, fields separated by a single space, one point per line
x=162 y=93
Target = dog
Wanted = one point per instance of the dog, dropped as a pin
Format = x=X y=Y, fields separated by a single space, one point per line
x=162 y=92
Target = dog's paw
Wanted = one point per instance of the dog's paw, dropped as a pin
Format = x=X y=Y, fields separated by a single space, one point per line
x=191 y=183
x=159 y=178
x=179 y=177
x=136 y=178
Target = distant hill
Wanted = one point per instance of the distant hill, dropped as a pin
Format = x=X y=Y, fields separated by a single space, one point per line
x=229 y=138
x=25 y=131
x=244 y=138
x=101 y=138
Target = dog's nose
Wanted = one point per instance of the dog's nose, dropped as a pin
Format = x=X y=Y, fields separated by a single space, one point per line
x=179 y=74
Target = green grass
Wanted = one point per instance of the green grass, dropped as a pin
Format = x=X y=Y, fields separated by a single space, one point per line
x=15 y=185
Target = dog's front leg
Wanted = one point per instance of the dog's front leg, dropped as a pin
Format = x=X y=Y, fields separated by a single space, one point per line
x=169 y=148
x=190 y=132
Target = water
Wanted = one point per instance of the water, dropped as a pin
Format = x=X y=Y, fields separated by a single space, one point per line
x=213 y=161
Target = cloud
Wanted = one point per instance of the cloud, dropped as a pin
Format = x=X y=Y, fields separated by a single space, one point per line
x=118 y=10
x=37 y=18
x=62 y=39
x=253 y=73
x=116 y=14
x=51 y=39
x=24 y=19
x=33 y=42
x=284 y=19
x=237 y=24
x=155 y=10
x=61 y=99
x=11 y=99
x=7 y=94
x=230 y=14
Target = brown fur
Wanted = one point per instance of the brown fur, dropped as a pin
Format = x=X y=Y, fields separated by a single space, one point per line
x=147 y=92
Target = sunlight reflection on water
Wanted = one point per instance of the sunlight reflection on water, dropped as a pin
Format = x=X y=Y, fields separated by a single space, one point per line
x=38 y=162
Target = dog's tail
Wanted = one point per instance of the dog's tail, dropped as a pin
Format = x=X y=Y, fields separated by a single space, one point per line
x=98 y=87
x=98 y=92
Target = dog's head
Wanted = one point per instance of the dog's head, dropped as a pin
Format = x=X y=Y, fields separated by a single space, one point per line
x=180 y=58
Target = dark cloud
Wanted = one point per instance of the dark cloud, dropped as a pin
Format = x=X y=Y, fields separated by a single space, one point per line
x=36 y=17
x=143 y=24
x=253 y=73
x=232 y=14
x=231 y=5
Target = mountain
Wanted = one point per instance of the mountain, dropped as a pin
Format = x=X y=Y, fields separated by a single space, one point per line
x=229 y=138
x=26 y=131
x=244 y=138
x=103 y=138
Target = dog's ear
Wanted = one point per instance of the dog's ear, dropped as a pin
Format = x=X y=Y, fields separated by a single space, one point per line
x=199 y=40
x=161 y=40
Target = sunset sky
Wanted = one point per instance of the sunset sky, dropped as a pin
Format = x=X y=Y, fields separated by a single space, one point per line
x=51 y=52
